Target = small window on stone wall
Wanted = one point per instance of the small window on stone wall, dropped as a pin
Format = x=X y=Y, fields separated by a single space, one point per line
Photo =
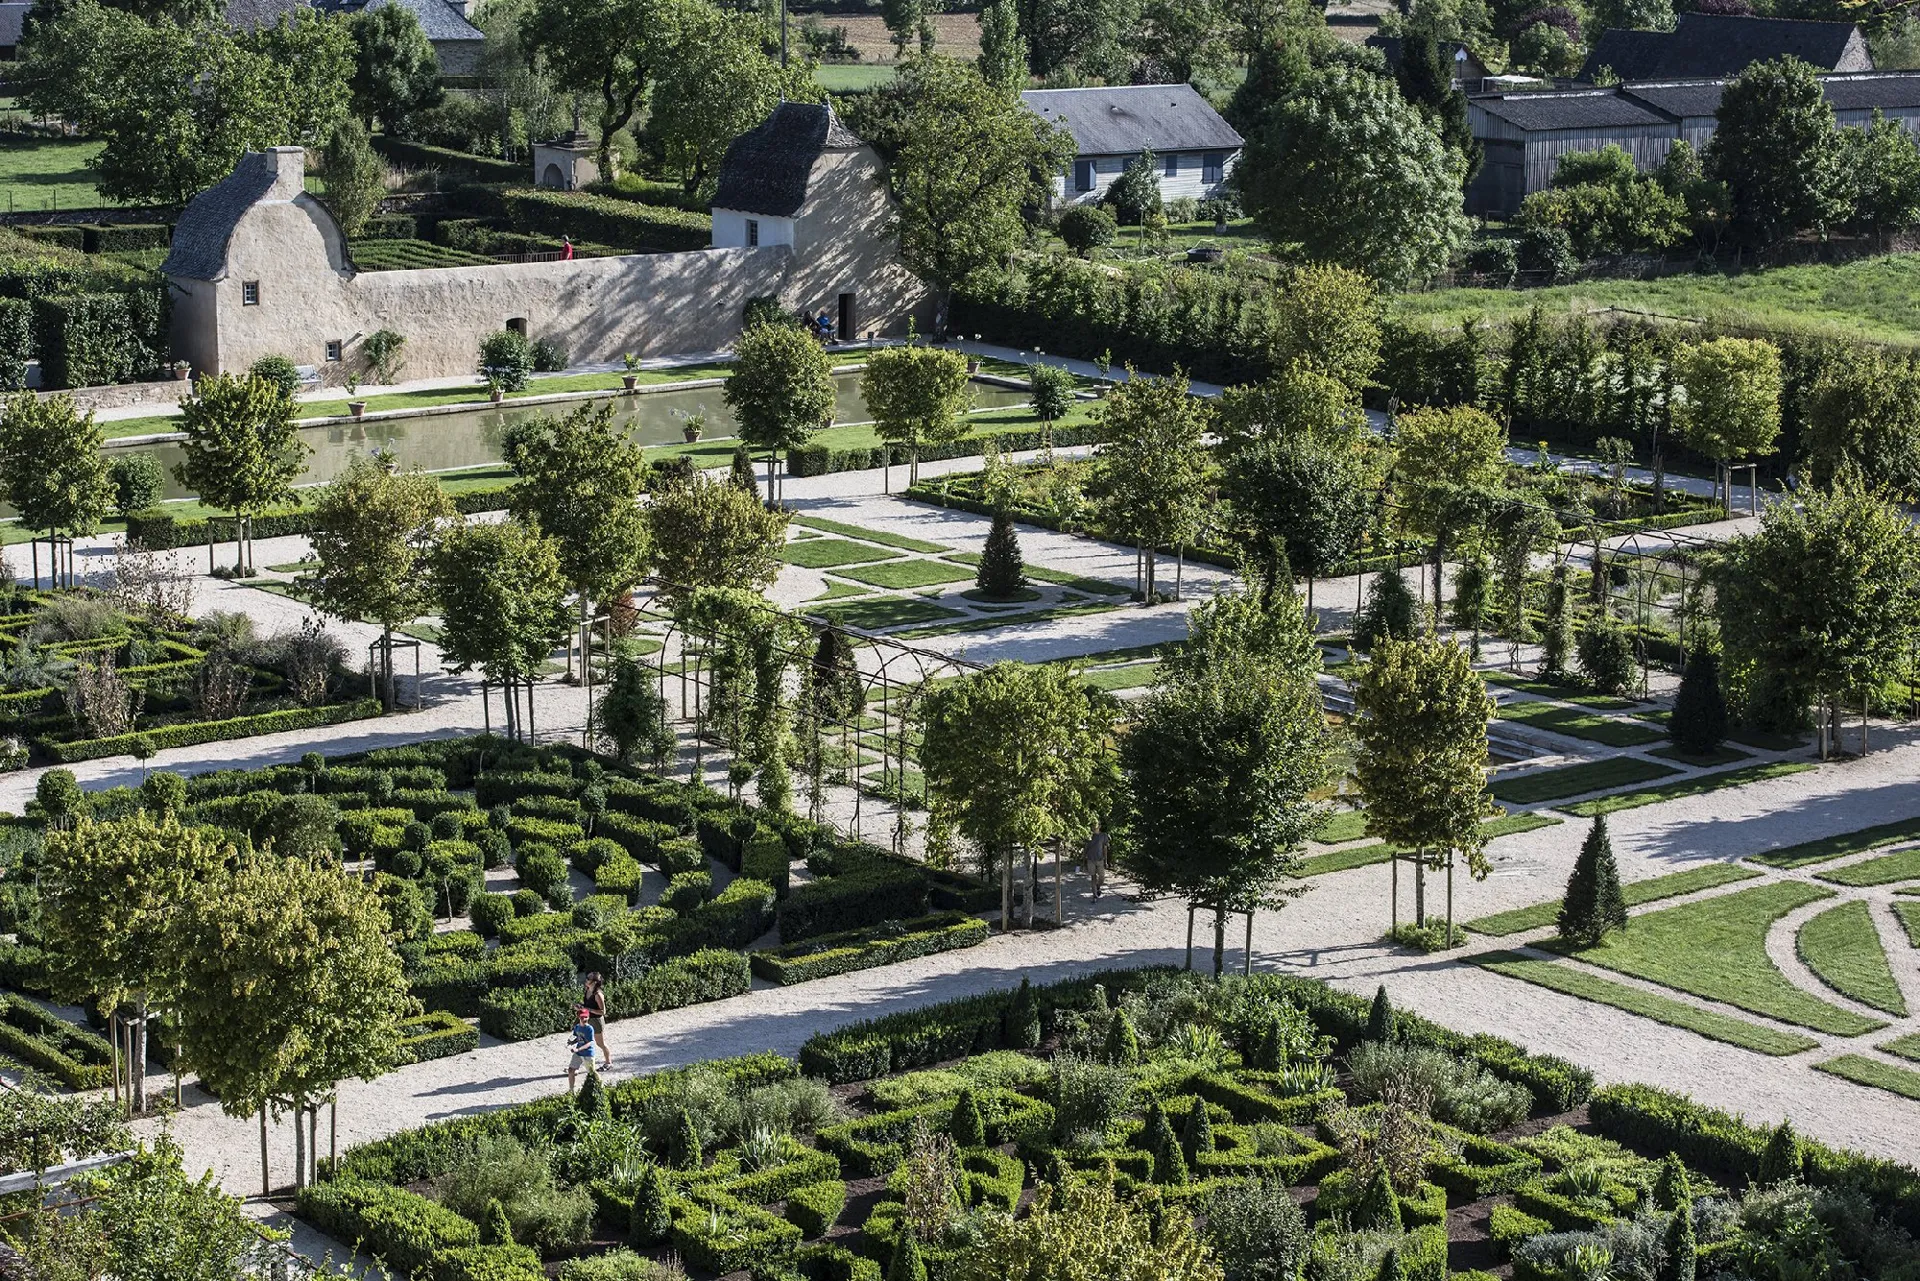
x=249 y=293
x=333 y=350
x=753 y=233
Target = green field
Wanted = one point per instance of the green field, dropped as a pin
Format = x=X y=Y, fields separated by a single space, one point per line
x=830 y=553
x=1661 y=1009
x=1881 y=1076
x=904 y=575
x=1842 y=947
x=1832 y=847
x=851 y=77
x=1699 y=785
x=1876 y=298
x=1577 y=780
x=1717 y=949
x=1580 y=724
x=1909 y=917
x=1651 y=890
x=1884 y=870
x=47 y=173
x=1367 y=855
x=880 y=536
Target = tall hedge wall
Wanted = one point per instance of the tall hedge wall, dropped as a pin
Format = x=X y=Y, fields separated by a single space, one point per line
x=621 y=223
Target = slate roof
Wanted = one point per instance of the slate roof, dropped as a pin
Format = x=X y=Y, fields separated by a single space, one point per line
x=1130 y=119
x=13 y=17
x=1890 y=91
x=766 y=168
x=199 y=250
x=1698 y=98
x=250 y=15
x=1705 y=44
x=443 y=22
x=1592 y=109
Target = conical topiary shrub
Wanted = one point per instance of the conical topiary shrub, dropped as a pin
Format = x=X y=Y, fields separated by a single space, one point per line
x=1390 y=610
x=1672 y=1186
x=906 y=1265
x=1379 y=1207
x=741 y=476
x=683 y=1150
x=1781 y=1161
x=1392 y=1268
x=652 y=1216
x=1123 y=1043
x=1380 y=1017
x=1023 y=1018
x=1002 y=572
x=1196 y=1136
x=1682 y=1262
x=497 y=1230
x=967 y=1129
x=1593 y=906
x=1699 y=723
x=1169 y=1163
x=592 y=1099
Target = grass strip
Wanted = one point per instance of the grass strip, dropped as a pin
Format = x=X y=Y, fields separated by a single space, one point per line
x=1842 y=948
x=902 y=575
x=830 y=553
x=882 y=612
x=1058 y=577
x=1717 y=949
x=1885 y=870
x=840 y=591
x=1862 y=1070
x=1832 y=847
x=1651 y=890
x=1007 y=620
x=1766 y=742
x=1699 y=785
x=1661 y=1009
x=1342 y=826
x=1577 y=780
x=1564 y=693
x=1366 y=855
x=1907 y=1047
x=872 y=535
x=1721 y=755
x=1112 y=679
x=1579 y=724
x=1908 y=914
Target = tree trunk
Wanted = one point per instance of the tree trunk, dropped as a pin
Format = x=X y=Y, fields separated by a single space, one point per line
x=1148 y=598
x=530 y=729
x=772 y=503
x=1419 y=887
x=1395 y=860
x=386 y=665
x=1309 y=593
x=1006 y=891
x=299 y=1146
x=586 y=672
x=137 y=1054
x=266 y=1177
x=1449 y=898
x=1219 y=939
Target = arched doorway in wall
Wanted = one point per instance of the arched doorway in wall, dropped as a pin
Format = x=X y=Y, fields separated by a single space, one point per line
x=518 y=325
x=552 y=177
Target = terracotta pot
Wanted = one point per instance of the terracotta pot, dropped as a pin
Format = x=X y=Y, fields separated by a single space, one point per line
x=181 y=375
x=628 y=380
x=691 y=433
x=358 y=408
x=499 y=396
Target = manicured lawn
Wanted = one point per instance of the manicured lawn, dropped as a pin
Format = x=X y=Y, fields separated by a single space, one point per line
x=1366 y=855
x=47 y=173
x=1832 y=847
x=1579 y=724
x=902 y=575
x=1907 y=1047
x=828 y=553
x=1059 y=578
x=1909 y=917
x=1651 y=890
x=882 y=612
x=1342 y=825
x=1716 y=949
x=1843 y=948
x=1007 y=620
x=1721 y=755
x=1697 y=786
x=1577 y=780
x=1661 y=1009
x=844 y=77
x=1881 y=1076
x=839 y=591
x=1564 y=693
x=1766 y=742
x=1021 y=597
x=1118 y=678
x=1885 y=870
x=872 y=535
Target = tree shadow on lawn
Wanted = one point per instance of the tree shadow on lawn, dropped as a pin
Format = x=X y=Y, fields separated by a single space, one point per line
x=1810 y=818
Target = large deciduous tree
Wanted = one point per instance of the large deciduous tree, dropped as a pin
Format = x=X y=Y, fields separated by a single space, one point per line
x=395 y=72
x=918 y=395
x=1307 y=493
x=1015 y=757
x=1778 y=152
x=372 y=530
x=1864 y=412
x=288 y=987
x=52 y=469
x=1225 y=756
x=1726 y=400
x=969 y=159
x=1345 y=171
x=605 y=51
x=1450 y=463
x=1420 y=758
x=111 y=899
x=242 y=449
x=1150 y=474
x=711 y=533
x=718 y=83
x=781 y=389
x=502 y=605
x=1327 y=322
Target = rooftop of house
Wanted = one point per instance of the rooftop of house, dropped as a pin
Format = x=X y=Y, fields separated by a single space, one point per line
x=13 y=19
x=767 y=168
x=1575 y=109
x=1670 y=101
x=207 y=224
x=442 y=20
x=1706 y=44
x=1130 y=119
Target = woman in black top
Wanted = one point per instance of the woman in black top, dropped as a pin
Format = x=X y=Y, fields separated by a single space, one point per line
x=595 y=1000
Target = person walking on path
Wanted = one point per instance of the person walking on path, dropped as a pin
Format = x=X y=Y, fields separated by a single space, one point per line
x=1097 y=858
x=579 y=1048
x=595 y=999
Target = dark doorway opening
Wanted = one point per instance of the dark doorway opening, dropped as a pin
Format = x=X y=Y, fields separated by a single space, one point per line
x=518 y=325
x=847 y=318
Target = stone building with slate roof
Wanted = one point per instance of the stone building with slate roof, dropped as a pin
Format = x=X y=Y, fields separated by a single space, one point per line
x=457 y=43
x=1194 y=148
x=1707 y=45
x=1525 y=134
x=13 y=21
x=258 y=267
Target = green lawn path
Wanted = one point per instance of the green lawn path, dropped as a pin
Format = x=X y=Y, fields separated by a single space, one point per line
x=1828 y=848
x=1577 y=780
x=1716 y=949
x=1884 y=870
x=1699 y=785
x=880 y=536
x=1661 y=1009
x=1636 y=893
x=883 y=612
x=1881 y=1076
x=903 y=575
x=830 y=553
x=1907 y=1047
x=1580 y=724
x=1909 y=917
x=1842 y=947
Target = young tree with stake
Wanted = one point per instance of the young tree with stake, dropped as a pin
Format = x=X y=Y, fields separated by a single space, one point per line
x=502 y=606
x=918 y=396
x=52 y=469
x=242 y=450
x=781 y=390
x=1150 y=476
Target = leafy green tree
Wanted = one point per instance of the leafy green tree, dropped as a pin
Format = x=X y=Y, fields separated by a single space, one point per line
x=1864 y=412
x=1390 y=611
x=1226 y=755
x=1150 y=473
x=1135 y=194
x=603 y=51
x=1002 y=573
x=1820 y=603
x=110 y=899
x=581 y=478
x=138 y=483
x=970 y=158
x=1699 y=722
x=506 y=360
x=634 y=715
x=1347 y=172
x=355 y=179
x=1053 y=387
x=781 y=390
x=708 y=533
x=242 y=450
x=1085 y=228
x=1778 y=152
x=395 y=73
x=1450 y=464
x=1014 y=757
x=1726 y=400
x=1420 y=757
x=1003 y=51
x=1881 y=164
x=52 y=469
x=1084 y=1229
x=372 y=533
x=715 y=81
x=1296 y=402
x=288 y=988
x=1556 y=628
x=1593 y=906
x=918 y=395
x=1327 y=322
x=1307 y=493
x=1425 y=77
x=502 y=603
x=1472 y=596
x=1606 y=655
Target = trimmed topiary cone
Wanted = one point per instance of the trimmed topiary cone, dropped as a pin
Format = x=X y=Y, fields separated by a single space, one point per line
x=1781 y=1161
x=652 y=1216
x=906 y=1265
x=1123 y=1043
x=1379 y=1208
x=1699 y=721
x=740 y=475
x=1196 y=1136
x=1380 y=1016
x=592 y=1100
x=683 y=1153
x=1682 y=1262
x=1594 y=905
x=966 y=1127
x=497 y=1230
x=1023 y=1018
x=1169 y=1164
x=1002 y=571
x=1673 y=1186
